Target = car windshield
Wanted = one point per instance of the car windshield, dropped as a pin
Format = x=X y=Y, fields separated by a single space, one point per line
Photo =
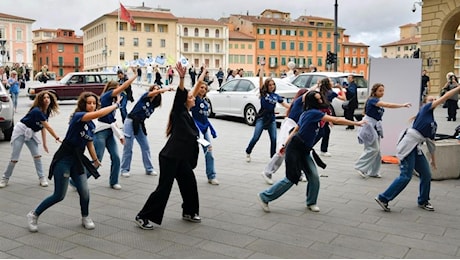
x=65 y=79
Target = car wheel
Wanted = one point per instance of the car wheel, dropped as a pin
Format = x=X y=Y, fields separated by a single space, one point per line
x=250 y=115
x=211 y=114
x=8 y=132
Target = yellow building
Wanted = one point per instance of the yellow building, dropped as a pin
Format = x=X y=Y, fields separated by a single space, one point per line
x=109 y=42
x=409 y=41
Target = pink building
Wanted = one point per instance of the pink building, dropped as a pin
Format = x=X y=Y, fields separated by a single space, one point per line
x=15 y=40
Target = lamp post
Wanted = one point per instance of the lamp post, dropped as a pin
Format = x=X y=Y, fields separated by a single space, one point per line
x=336 y=34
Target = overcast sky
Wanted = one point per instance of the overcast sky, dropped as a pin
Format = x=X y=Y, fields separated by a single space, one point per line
x=372 y=22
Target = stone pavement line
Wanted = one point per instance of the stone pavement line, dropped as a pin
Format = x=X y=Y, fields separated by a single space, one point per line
x=350 y=224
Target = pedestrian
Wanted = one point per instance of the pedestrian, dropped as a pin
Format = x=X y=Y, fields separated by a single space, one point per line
x=294 y=111
x=177 y=159
x=352 y=98
x=368 y=164
x=134 y=128
x=265 y=119
x=139 y=74
x=297 y=152
x=126 y=95
x=69 y=161
x=200 y=113
x=170 y=75
x=106 y=129
x=451 y=102
x=13 y=84
x=220 y=76
x=158 y=78
x=192 y=73
x=425 y=88
x=24 y=132
x=411 y=156
x=149 y=73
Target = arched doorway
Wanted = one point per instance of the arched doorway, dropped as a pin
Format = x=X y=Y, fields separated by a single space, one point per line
x=440 y=22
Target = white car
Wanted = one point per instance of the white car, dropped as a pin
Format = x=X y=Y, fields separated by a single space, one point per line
x=309 y=79
x=6 y=113
x=240 y=98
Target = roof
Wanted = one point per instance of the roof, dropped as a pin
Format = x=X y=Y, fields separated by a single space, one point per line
x=355 y=44
x=72 y=40
x=410 y=40
x=199 y=21
x=269 y=21
x=236 y=35
x=9 y=16
x=410 y=25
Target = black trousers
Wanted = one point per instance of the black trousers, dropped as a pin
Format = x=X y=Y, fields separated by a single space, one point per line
x=170 y=169
x=349 y=114
x=451 y=109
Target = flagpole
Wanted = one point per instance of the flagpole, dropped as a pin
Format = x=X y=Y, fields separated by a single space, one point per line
x=118 y=35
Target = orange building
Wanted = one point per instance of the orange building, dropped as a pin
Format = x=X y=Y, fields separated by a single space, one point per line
x=241 y=52
x=355 y=57
x=62 y=53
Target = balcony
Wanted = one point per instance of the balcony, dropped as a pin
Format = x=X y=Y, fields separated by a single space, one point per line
x=64 y=64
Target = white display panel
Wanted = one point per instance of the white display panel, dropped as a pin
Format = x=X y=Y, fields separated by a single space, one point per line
x=402 y=80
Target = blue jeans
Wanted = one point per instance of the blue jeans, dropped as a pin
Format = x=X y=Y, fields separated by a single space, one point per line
x=62 y=172
x=123 y=103
x=209 y=159
x=141 y=139
x=149 y=78
x=14 y=97
x=259 y=127
x=415 y=160
x=105 y=139
x=16 y=146
x=283 y=185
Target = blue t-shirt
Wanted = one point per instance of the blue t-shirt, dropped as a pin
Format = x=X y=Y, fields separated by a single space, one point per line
x=296 y=109
x=34 y=118
x=372 y=110
x=79 y=132
x=200 y=111
x=14 y=86
x=331 y=95
x=107 y=100
x=309 y=125
x=143 y=108
x=268 y=104
x=424 y=122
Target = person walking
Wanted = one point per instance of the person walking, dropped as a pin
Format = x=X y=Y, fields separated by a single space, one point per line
x=170 y=75
x=139 y=75
x=149 y=73
x=368 y=164
x=352 y=97
x=220 y=76
x=158 y=78
x=69 y=161
x=451 y=102
x=106 y=129
x=134 y=128
x=265 y=119
x=411 y=156
x=294 y=111
x=297 y=153
x=177 y=159
x=200 y=113
x=192 y=73
x=13 y=82
x=126 y=95
x=24 y=132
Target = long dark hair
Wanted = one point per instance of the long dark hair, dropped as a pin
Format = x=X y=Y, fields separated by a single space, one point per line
x=53 y=107
x=264 y=88
x=299 y=94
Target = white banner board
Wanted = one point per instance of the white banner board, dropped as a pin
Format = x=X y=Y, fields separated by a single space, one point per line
x=402 y=80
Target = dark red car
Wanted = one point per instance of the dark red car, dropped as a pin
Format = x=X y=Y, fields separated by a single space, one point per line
x=74 y=83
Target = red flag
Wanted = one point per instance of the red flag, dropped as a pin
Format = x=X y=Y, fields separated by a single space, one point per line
x=125 y=15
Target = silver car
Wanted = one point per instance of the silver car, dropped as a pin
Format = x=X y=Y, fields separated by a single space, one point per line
x=309 y=79
x=6 y=113
x=239 y=97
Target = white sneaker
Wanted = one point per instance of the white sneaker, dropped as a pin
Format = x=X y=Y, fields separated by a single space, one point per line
x=326 y=154
x=268 y=178
x=154 y=173
x=125 y=174
x=313 y=208
x=43 y=182
x=213 y=181
x=362 y=174
x=87 y=222
x=248 y=157
x=32 y=220
x=303 y=178
x=116 y=186
x=3 y=183
x=263 y=204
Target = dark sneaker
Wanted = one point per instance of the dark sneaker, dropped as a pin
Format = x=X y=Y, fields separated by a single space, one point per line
x=143 y=223
x=195 y=218
x=382 y=204
x=426 y=206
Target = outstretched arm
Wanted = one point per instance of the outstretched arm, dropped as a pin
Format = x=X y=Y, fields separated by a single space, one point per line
x=101 y=112
x=181 y=71
x=445 y=97
x=392 y=105
x=123 y=86
x=342 y=121
x=155 y=92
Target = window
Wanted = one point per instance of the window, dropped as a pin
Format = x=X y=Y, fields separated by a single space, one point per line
x=242 y=46
x=250 y=46
x=362 y=60
x=217 y=63
x=196 y=32
x=347 y=50
x=217 y=48
x=300 y=46
x=236 y=46
x=250 y=58
x=135 y=27
x=19 y=34
x=230 y=58
x=309 y=46
x=260 y=31
x=301 y=33
x=162 y=43
x=328 y=46
x=60 y=61
x=196 y=47
x=76 y=48
x=185 y=31
x=283 y=46
x=320 y=61
x=320 y=34
x=136 y=56
x=149 y=42
x=293 y=32
x=261 y=44
x=185 y=46
x=206 y=32
x=320 y=46
x=60 y=47
x=148 y=27
x=361 y=50
x=283 y=32
x=328 y=35
x=292 y=45
x=273 y=45
x=283 y=61
x=122 y=56
x=310 y=34
x=163 y=28
x=273 y=32
x=353 y=50
x=230 y=45
x=242 y=59
x=217 y=36
x=136 y=42
x=122 y=41
x=206 y=47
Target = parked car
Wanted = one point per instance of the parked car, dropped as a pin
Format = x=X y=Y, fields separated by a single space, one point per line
x=240 y=97
x=74 y=83
x=6 y=113
x=309 y=79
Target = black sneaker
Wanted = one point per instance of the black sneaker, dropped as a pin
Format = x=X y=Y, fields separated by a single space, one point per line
x=382 y=204
x=426 y=206
x=143 y=223
x=195 y=218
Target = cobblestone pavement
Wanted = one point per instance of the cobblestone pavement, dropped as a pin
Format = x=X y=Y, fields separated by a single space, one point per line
x=350 y=224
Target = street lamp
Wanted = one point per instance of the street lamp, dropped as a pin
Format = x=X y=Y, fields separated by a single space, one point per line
x=336 y=34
